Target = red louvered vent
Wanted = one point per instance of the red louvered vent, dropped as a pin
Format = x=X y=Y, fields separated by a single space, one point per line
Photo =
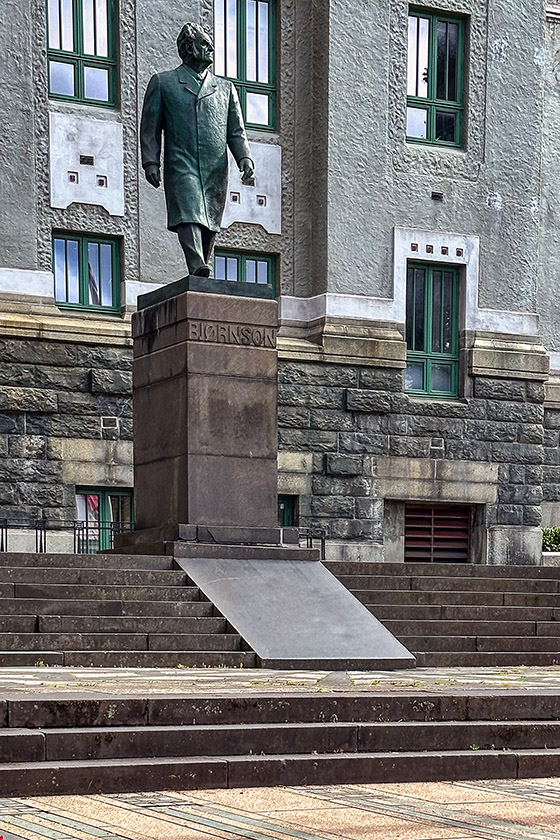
x=437 y=533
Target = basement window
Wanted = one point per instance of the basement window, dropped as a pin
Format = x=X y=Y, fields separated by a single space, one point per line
x=100 y=514
x=437 y=533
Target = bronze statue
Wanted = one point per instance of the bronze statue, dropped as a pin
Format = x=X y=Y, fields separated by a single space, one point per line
x=200 y=116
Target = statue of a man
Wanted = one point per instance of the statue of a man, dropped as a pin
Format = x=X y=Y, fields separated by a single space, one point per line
x=200 y=117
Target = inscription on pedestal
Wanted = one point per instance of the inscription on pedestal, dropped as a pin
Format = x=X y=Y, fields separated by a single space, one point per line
x=244 y=335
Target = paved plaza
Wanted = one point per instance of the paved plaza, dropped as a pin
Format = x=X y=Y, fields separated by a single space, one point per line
x=495 y=810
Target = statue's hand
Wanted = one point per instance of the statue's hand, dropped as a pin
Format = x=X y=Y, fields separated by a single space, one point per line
x=247 y=169
x=152 y=175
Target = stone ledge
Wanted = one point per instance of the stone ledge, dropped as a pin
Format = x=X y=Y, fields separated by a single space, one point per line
x=430 y=479
x=507 y=357
x=78 y=328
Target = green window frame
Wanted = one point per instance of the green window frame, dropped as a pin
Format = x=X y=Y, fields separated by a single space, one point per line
x=245 y=52
x=100 y=512
x=81 y=51
x=436 y=59
x=244 y=267
x=86 y=272
x=432 y=329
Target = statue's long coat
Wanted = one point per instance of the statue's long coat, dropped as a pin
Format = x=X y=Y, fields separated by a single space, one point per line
x=198 y=127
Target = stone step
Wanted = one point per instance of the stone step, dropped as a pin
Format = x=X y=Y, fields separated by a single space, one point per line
x=48 y=607
x=102 y=593
x=406 y=596
x=202 y=623
x=47 y=712
x=58 y=642
x=30 y=659
x=159 y=659
x=18 y=623
x=489 y=644
x=88 y=561
x=461 y=613
x=90 y=744
x=431 y=583
x=190 y=773
x=447 y=570
x=91 y=576
x=481 y=659
x=413 y=627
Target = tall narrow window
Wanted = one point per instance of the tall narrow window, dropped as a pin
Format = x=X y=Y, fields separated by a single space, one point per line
x=244 y=268
x=81 y=50
x=244 y=35
x=432 y=330
x=435 y=79
x=100 y=514
x=86 y=272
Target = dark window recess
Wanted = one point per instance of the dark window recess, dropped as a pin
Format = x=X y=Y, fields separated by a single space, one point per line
x=437 y=533
x=87 y=160
x=288 y=511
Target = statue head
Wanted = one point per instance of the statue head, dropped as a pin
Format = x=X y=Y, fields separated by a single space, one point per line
x=195 y=46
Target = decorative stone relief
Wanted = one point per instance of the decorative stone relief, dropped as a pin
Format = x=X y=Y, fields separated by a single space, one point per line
x=258 y=203
x=86 y=162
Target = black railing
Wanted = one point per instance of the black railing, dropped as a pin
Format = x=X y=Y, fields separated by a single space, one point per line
x=312 y=535
x=87 y=537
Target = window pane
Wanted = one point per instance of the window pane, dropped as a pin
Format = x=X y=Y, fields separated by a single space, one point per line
x=412 y=55
x=441 y=60
x=423 y=52
x=101 y=28
x=447 y=326
x=251 y=271
x=67 y=25
x=60 y=269
x=251 y=67
x=53 y=16
x=219 y=38
x=89 y=27
x=96 y=83
x=231 y=271
x=262 y=272
x=410 y=308
x=453 y=53
x=61 y=78
x=436 y=312
x=419 y=284
x=445 y=126
x=220 y=268
x=441 y=377
x=417 y=122
x=263 y=43
x=93 y=273
x=106 y=272
x=120 y=508
x=414 y=376
x=257 y=108
x=231 y=38
x=73 y=273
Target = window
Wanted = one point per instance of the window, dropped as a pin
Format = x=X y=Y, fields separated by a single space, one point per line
x=81 y=50
x=86 y=272
x=435 y=79
x=244 y=36
x=100 y=513
x=288 y=511
x=437 y=533
x=244 y=268
x=432 y=333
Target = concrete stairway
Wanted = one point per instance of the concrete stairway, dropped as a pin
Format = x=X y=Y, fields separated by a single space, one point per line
x=112 y=744
x=461 y=614
x=110 y=610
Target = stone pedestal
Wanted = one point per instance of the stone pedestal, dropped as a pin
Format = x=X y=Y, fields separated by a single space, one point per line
x=205 y=412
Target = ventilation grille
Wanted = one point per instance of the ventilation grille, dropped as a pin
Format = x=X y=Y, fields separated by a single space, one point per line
x=439 y=533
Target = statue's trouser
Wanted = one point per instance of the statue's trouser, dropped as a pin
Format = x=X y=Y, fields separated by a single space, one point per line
x=196 y=242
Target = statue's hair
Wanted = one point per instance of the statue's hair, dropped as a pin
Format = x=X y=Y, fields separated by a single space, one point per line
x=187 y=35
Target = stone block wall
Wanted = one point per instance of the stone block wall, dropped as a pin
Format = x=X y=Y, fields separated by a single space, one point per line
x=65 y=420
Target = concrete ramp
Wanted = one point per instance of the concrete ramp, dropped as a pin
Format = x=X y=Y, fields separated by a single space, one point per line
x=296 y=614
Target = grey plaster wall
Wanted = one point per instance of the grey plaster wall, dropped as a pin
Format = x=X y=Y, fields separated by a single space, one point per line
x=18 y=216
x=549 y=269
x=490 y=187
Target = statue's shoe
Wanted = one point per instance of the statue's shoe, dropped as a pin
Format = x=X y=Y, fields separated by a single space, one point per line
x=202 y=271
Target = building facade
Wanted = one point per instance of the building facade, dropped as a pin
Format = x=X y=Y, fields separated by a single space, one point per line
x=406 y=207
